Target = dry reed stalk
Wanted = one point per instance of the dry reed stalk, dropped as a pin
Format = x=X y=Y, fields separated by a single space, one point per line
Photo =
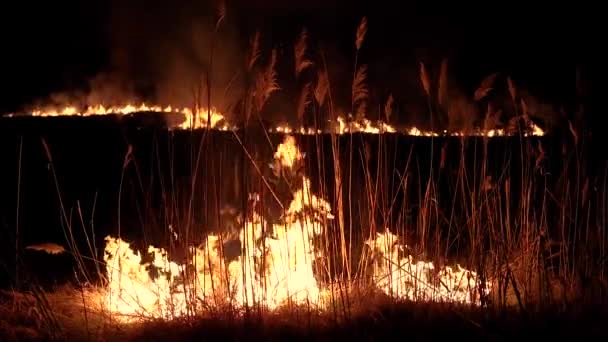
x=321 y=87
x=442 y=92
x=254 y=52
x=524 y=110
x=388 y=108
x=485 y=87
x=221 y=12
x=301 y=61
x=360 y=92
x=424 y=78
x=512 y=89
x=303 y=102
x=266 y=82
x=361 y=32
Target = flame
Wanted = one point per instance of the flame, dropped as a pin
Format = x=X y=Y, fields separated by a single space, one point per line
x=402 y=277
x=204 y=118
x=198 y=121
x=537 y=131
x=274 y=266
x=362 y=126
x=287 y=152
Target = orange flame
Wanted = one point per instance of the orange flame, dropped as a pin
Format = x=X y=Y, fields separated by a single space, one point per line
x=274 y=268
x=204 y=118
x=402 y=277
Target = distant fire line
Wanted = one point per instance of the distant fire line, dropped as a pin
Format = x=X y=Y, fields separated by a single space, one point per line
x=214 y=119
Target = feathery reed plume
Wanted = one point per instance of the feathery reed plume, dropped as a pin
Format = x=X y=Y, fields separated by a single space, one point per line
x=361 y=31
x=444 y=150
x=388 y=107
x=491 y=118
x=443 y=82
x=485 y=87
x=266 y=82
x=573 y=132
x=540 y=156
x=301 y=61
x=221 y=13
x=254 y=53
x=322 y=86
x=512 y=89
x=424 y=78
x=303 y=102
x=47 y=247
x=524 y=109
x=360 y=93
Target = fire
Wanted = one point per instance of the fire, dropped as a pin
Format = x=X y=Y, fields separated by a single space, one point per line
x=400 y=276
x=204 y=118
x=362 y=126
x=274 y=266
x=101 y=110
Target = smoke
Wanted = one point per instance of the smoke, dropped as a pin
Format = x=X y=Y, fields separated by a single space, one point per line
x=163 y=53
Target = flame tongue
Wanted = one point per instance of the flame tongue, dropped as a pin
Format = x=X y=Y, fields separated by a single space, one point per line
x=273 y=268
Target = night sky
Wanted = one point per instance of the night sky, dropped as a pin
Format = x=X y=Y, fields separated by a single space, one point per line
x=146 y=46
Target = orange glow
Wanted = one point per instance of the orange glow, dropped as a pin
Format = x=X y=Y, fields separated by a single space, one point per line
x=216 y=120
x=398 y=275
x=273 y=268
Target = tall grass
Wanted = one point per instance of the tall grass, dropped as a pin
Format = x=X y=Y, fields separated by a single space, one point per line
x=536 y=230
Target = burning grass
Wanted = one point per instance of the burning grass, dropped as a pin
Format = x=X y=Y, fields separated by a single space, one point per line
x=401 y=250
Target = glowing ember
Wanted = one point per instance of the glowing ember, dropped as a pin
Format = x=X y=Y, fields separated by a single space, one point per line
x=400 y=276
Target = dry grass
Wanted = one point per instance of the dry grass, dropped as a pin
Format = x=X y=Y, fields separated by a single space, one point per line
x=372 y=317
x=530 y=229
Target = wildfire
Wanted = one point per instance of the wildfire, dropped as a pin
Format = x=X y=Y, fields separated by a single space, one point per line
x=203 y=118
x=274 y=266
x=362 y=125
x=400 y=276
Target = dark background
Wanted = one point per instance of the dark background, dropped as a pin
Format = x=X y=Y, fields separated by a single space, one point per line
x=156 y=49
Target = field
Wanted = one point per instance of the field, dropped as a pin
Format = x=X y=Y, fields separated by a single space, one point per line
x=435 y=232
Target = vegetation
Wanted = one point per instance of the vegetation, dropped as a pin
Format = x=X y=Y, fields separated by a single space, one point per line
x=534 y=228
